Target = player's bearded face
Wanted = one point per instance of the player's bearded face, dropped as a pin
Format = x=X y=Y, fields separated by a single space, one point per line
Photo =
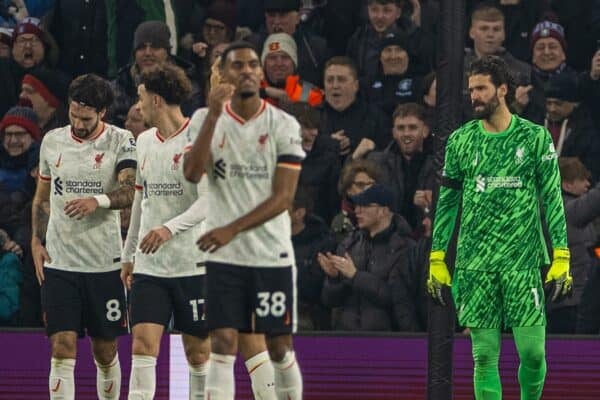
x=244 y=71
x=84 y=132
x=484 y=109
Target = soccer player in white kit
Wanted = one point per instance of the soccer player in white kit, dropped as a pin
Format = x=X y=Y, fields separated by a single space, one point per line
x=251 y=153
x=169 y=270
x=86 y=174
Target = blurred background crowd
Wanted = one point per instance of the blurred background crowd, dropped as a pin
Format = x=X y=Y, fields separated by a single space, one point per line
x=360 y=77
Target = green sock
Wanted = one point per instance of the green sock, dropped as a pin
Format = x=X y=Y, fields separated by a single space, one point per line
x=486 y=352
x=531 y=346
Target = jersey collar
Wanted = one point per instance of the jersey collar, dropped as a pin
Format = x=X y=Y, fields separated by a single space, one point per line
x=242 y=121
x=96 y=136
x=181 y=128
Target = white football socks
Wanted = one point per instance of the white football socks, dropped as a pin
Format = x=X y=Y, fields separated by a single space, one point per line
x=198 y=380
x=108 y=379
x=220 y=382
x=262 y=376
x=61 y=382
x=288 y=379
x=142 y=382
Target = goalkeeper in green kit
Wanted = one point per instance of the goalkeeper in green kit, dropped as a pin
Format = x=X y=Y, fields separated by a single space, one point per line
x=504 y=171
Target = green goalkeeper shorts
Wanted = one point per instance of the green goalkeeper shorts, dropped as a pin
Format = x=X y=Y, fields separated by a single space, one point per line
x=499 y=299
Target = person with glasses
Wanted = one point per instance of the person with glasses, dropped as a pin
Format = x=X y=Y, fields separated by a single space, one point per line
x=355 y=177
x=358 y=274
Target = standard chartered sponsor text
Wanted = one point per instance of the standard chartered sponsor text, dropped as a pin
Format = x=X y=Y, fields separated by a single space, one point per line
x=84 y=187
x=249 y=171
x=165 y=189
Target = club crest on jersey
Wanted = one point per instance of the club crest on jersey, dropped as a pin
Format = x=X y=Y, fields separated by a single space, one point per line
x=519 y=155
x=98 y=160
x=262 y=142
x=176 y=161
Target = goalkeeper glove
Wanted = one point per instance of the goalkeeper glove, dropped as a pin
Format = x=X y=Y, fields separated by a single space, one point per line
x=438 y=276
x=559 y=282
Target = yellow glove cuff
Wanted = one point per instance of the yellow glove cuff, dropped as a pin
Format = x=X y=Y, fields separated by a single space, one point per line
x=437 y=255
x=562 y=254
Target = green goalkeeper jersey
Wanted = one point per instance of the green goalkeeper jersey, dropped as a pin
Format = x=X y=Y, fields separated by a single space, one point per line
x=507 y=181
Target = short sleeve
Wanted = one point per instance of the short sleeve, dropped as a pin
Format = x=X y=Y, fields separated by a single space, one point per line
x=126 y=154
x=289 y=144
x=44 y=167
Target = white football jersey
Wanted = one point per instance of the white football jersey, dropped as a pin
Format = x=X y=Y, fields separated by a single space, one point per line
x=82 y=168
x=244 y=157
x=166 y=194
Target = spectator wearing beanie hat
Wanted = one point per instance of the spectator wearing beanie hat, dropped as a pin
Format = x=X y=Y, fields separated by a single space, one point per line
x=548 y=46
x=19 y=155
x=32 y=46
x=396 y=81
x=282 y=84
x=548 y=59
x=5 y=42
x=220 y=23
x=46 y=91
x=570 y=123
x=151 y=47
x=282 y=16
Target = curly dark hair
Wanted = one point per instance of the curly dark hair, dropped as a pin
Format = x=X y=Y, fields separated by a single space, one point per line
x=498 y=71
x=169 y=82
x=91 y=90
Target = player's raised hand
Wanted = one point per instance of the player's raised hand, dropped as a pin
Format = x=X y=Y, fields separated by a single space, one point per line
x=127 y=274
x=559 y=282
x=40 y=256
x=213 y=240
x=439 y=277
x=154 y=239
x=79 y=208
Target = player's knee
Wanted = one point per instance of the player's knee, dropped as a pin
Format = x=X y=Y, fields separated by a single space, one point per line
x=104 y=350
x=144 y=346
x=278 y=346
x=533 y=356
x=197 y=355
x=224 y=341
x=64 y=345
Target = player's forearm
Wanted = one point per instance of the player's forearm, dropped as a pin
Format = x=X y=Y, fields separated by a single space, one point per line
x=445 y=217
x=40 y=211
x=123 y=196
x=198 y=156
x=40 y=215
x=134 y=229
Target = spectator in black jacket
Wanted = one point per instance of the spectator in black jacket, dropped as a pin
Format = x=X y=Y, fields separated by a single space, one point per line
x=5 y=42
x=347 y=117
x=80 y=29
x=151 y=48
x=283 y=16
x=395 y=82
x=570 y=124
x=405 y=168
x=358 y=275
x=582 y=206
x=321 y=167
x=407 y=283
x=310 y=236
x=588 y=83
x=385 y=17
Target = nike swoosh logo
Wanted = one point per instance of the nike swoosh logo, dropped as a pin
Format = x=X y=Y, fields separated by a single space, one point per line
x=58 y=161
x=222 y=142
x=109 y=388
x=55 y=389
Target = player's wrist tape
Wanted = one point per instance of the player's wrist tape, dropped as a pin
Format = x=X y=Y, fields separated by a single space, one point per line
x=562 y=254
x=437 y=255
x=103 y=201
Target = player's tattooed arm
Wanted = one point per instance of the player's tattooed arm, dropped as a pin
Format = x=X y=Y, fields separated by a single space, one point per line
x=123 y=196
x=40 y=210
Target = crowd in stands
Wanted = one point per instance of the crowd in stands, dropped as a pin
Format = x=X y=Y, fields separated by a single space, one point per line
x=360 y=77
